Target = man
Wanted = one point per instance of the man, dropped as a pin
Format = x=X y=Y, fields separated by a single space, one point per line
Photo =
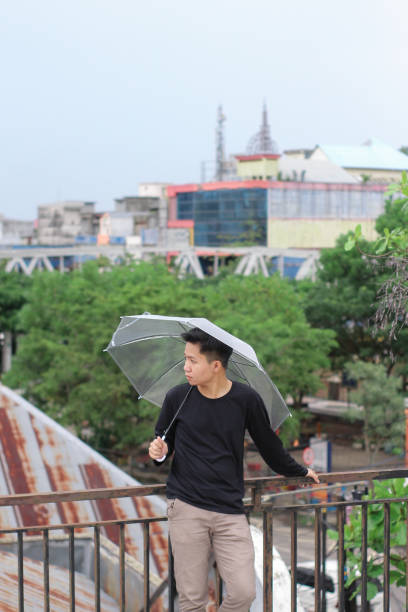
x=205 y=484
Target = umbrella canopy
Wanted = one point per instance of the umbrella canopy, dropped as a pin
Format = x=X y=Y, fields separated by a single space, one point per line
x=149 y=350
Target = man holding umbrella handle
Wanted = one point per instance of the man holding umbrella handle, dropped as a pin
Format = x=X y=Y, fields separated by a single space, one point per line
x=204 y=422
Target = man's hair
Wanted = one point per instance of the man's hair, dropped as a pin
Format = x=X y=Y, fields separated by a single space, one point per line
x=209 y=346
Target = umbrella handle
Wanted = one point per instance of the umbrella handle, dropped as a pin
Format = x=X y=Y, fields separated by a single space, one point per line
x=163 y=437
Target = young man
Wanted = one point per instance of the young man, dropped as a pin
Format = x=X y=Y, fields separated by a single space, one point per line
x=205 y=485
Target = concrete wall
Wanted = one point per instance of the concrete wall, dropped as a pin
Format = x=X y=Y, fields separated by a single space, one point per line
x=314 y=233
x=260 y=168
x=15 y=231
x=153 y=190
x=117 y=224
x=376 y=176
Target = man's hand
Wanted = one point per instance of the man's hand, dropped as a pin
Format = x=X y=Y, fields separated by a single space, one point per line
x=312 y=474
x=158 y=449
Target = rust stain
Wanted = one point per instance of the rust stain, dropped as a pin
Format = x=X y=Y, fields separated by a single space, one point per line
x=158 y=541
x=58 y=475
x=95 y=479
x=21 y=478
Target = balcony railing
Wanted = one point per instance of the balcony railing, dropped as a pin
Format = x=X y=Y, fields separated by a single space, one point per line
x=261 y=501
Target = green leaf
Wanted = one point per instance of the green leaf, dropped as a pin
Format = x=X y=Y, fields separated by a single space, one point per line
x=399 y=536
x=395 y=576
x=383 y=242
x=372 y=590
x=375 y=570
x=350 y=244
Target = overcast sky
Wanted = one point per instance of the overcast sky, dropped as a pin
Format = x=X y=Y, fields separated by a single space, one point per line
x=99 y=95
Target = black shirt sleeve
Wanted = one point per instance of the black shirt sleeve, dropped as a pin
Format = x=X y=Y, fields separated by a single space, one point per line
x=268 y=443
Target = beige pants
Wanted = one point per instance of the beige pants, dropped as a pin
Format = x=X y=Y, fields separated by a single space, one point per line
x=194 y=533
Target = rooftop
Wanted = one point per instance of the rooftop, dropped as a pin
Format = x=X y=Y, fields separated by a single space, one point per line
x=373 y=154
x=315 y=171
x=38 y=455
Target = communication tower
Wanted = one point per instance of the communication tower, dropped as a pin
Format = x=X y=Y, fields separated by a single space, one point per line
x=219 y=145
x=262 y=142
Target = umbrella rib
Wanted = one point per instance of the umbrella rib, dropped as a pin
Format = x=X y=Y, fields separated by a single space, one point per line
x=241 y=372
x=161 y=376
x=146 y=338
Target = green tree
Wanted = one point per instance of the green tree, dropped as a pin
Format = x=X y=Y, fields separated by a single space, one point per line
x=266 y=313
x=69 y=319
x=60 y=364
x=13 y=292
x=342 y=299
x=385 y=489
x=391 y=249
x=395 y=216
x=382 y=407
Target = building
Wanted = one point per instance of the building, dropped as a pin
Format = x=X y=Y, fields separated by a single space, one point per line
x=373 y=161
x=62 y=222
x=15 y=232
x=257 y=166
x=149 y=212
x=116 y=226
x=223 y=213
x=290 y=168
x=153 y=190
x=276 y=214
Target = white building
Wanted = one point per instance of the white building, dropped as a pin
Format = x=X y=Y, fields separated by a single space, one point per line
x=61 y=222
x=15 y=232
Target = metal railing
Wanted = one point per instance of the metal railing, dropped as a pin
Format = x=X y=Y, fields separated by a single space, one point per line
x=260 y=501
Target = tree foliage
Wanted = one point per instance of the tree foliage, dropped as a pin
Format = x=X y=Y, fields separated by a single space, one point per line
x=396 y=488
x=342 y=299
x=391 y=250
x=68 y=320
x=382 y=406
x=13 y=291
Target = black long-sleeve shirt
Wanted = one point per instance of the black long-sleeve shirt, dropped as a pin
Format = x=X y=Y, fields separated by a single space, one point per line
x=207 y=439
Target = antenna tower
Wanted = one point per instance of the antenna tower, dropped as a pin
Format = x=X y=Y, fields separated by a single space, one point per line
x=219 y=145
x=262 y=141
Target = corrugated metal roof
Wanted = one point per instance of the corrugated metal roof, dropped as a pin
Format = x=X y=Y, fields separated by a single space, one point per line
x=34 y=588
x=38 y=455
x=374 y=154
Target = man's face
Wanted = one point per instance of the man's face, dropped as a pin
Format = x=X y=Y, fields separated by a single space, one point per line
x=197 y=369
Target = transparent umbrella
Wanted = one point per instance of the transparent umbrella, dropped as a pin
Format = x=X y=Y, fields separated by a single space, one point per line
x=149 y=350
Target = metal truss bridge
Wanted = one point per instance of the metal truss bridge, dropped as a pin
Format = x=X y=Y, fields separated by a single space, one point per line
x=199 y=261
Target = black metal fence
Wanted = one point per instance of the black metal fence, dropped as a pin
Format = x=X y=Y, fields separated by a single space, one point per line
x=260 y=502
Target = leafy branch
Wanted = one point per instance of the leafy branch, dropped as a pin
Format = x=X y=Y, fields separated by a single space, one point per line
x=391 y=250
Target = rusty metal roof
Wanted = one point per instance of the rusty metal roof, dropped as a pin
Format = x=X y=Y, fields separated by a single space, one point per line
x=38 y=455
x=34 y=588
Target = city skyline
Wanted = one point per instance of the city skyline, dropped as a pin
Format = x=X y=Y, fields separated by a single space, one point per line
x=99 y=98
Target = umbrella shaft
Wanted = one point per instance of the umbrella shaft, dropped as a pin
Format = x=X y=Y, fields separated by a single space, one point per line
x=163 y=437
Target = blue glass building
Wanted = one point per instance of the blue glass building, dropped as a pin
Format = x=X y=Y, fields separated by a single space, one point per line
x=225 y=217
